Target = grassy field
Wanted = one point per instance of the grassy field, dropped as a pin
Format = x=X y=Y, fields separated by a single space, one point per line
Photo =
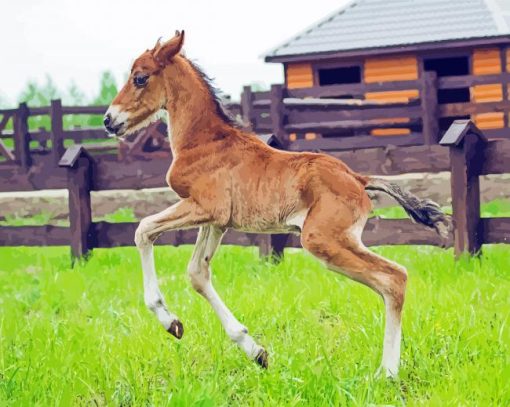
x=83 y=336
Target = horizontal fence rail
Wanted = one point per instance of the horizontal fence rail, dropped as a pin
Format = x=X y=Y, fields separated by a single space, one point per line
x=464 y=151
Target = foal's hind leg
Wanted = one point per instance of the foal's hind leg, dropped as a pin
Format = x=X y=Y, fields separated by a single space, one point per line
x=208 y=240
x=342 y=251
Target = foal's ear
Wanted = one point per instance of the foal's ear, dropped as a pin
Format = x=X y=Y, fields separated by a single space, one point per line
x=165 y=52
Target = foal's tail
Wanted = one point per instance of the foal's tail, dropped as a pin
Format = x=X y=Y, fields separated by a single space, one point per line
x=422 y=211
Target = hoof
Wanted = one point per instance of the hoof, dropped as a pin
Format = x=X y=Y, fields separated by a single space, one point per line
x=261 y=359
x=176 y=329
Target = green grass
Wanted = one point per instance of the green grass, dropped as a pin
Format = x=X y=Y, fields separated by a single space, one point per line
x=45 y=218
x=82 y=336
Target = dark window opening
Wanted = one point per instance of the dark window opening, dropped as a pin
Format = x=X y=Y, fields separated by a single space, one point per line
x=338 y=76
x=453 y=66
x=456 y=95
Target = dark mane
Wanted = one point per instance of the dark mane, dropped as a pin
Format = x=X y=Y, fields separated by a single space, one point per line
x=221 y=110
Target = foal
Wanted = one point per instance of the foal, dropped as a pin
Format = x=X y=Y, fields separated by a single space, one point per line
x=228 y=178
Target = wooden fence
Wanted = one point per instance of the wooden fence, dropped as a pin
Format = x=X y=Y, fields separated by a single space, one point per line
x=345 y=124
x=337 y=124
x=464 y=150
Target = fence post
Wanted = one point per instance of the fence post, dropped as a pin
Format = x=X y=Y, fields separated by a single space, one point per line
x=466 y=143
x=247 y=107
x=429 y=105
x=273 y=245
x=79 y=179
x=57 y=130
x=22 y=137
x=277 y=114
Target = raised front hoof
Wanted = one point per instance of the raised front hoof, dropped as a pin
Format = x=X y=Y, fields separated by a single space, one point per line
x=176 y=329
x=261 y=358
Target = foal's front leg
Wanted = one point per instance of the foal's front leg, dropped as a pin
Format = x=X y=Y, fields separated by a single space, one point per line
x=182 y=215
x=208 y=240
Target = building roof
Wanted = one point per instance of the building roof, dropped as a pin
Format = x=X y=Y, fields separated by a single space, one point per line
x=367 y=24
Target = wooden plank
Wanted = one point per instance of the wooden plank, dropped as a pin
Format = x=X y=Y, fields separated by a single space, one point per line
x=384 y=159
x=470 y=108
x=262 y=103
x=429 y=107
x=354 y=104
x=79 y=135
x=401 y=231
x=496 y=230
x=377 y=232
x=79 y=176
x=21 y=137
x=497 y=133
x=247 y=107
x=466 y=144
x=452 y=82
x=99 y=110
x=46 y=235
x=334 y=126
x=57 y=130
x=355 y=142
x=261 y=95
x=39 y=111
x=304 y=114
x=277 y=114
x=351 y=89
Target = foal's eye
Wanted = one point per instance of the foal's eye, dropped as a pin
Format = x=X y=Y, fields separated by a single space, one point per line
x=140 y=81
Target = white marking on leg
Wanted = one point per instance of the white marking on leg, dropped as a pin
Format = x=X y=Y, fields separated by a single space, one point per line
x=393 y=325
x=392 y=339
x=152 y=295
x=200 y=275
x=179 y=215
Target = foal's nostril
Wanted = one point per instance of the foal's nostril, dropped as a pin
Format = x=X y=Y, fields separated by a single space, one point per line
x=107 y=120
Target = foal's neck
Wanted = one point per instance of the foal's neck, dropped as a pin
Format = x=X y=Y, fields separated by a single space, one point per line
x=190 y=105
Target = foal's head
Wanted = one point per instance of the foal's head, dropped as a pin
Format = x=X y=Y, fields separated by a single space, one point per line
x=143 y=96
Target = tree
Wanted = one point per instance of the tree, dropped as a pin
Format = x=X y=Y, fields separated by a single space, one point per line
x=107 y=89
x=37 y=95
x=74 y=95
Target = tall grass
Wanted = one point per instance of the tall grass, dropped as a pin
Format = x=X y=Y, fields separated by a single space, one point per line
x=83 y=336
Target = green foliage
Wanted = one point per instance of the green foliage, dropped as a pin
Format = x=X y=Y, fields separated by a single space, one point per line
x=259 y=86
x=83 y=336
x=121 y=215
x=107 y=90
x=38 y=95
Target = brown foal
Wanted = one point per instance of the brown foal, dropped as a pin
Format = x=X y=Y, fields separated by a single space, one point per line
x=228 y=178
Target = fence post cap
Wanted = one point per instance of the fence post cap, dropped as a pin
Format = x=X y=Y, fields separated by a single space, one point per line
x=271 y=140
x=458 y=130
x=72 y=154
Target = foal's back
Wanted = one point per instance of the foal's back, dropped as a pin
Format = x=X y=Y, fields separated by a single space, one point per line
x=270 y=186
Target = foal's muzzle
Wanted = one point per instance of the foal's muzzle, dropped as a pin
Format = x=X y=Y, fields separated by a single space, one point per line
x=110 y=124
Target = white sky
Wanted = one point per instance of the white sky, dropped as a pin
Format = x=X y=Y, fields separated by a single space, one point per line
x=77 y=40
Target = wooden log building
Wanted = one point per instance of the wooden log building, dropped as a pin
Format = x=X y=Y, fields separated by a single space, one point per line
x=382 y=41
